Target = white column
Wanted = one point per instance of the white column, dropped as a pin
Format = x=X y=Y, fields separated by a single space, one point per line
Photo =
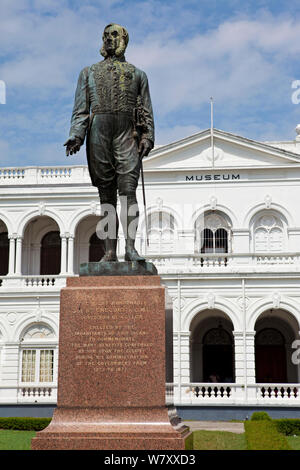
x=34 y=259
x=184 y=361
x=9 y=373
x=12 y=255
x=19 y=255
x=71 y=255
x=245 y=365
x=239 y=357
x=63 y=266
x=250 y=356
x=240 y=366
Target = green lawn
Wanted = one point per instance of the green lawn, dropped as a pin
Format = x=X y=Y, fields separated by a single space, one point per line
x=203 y=440
x=15 y=440
x=294 y=442
x=218 y=440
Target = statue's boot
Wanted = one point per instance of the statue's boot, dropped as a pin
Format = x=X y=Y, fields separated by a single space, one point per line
x=110 y=244
x=110 y=250
x=130 y=252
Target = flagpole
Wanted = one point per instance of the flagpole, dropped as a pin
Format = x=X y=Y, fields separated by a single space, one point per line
x=212 y=131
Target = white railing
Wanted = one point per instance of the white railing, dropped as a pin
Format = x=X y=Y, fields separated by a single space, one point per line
x=169 y=393
x=40 y=393
x=12 y=174
x=275 y=259
x=214 y=393
x=259 y=262
x=233 y=393
x=41 y=281
x=277 y=392
x=45 y=175
x=51 y=281
x=37 y=394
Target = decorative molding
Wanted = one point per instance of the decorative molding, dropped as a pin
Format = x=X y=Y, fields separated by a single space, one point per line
x=11 y=317
x=207 y=154
x=42 y=208
x=159 y=202
x=213 y=203
x=240 y=301
x=276 y=298
x=268 y=201
x=211 y=300
x=93 y=207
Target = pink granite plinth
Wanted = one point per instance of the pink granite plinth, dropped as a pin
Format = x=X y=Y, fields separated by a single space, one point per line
x=111 y=380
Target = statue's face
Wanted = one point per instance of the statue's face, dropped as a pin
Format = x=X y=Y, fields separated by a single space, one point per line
x=111 y=38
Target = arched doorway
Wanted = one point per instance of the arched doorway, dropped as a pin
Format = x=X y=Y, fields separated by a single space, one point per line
x=96 y=248
x=212 y=348
x=4 y=253
x=87 y=246
x=51 y=253
x=218 y=356
x=276 y=330
x=270 y=356
x=41 y=247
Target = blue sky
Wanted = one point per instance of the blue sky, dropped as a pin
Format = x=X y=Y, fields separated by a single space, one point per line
x=245 y=54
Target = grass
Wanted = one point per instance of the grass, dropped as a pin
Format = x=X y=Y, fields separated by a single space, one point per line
x=218 y=440
x=294 y=442
x=15 y=440
x=202 y=440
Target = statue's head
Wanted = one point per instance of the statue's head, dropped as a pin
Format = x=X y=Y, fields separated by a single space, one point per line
x=115 y=40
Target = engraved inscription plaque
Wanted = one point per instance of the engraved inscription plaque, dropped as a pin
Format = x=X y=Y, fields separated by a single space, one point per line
x=114 y=342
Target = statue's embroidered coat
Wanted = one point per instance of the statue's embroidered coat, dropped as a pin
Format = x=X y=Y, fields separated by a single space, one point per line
x=106 y=97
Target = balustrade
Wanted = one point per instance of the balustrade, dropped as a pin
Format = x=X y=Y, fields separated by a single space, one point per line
x=278 y=392
x=12 y=173
x=37 y=394
x=39 y=281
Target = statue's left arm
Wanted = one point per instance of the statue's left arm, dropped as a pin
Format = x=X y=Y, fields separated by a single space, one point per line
x=147 y=137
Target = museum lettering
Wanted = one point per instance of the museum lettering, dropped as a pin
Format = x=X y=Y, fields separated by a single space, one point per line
x=212 y=177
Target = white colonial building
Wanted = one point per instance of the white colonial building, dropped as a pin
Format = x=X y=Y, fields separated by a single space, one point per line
x=223 y=224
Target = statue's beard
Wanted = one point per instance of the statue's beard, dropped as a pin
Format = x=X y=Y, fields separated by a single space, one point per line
x=119 y=52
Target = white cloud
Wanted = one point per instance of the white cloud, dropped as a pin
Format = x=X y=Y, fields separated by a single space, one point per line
x=244 y=63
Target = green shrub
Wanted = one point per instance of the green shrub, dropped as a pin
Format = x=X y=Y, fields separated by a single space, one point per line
x=24 y=424
x=288 y=427
x=189 y=442
x=263 y=435
x=260 y=416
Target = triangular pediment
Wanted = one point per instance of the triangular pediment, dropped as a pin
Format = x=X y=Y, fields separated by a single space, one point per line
x=230 y=151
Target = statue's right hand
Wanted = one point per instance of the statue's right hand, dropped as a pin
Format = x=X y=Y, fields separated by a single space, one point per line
x=73 y=145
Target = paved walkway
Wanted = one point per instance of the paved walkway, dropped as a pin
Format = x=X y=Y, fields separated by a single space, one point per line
x=215 y=426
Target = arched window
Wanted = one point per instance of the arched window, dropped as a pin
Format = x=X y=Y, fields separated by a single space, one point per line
x=268 y=234
x=51 y=253
x=161 y=227
x=96 y=248
x=212 y=234
x=38 y=355
x=4 y=253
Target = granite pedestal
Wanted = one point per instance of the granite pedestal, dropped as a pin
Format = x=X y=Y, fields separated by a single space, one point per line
x=111 y=382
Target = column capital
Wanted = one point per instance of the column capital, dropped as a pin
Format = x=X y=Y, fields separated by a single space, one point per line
x=248 y=333
x=237 y=334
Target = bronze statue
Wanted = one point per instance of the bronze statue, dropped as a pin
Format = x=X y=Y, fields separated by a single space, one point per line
x=113 y=111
